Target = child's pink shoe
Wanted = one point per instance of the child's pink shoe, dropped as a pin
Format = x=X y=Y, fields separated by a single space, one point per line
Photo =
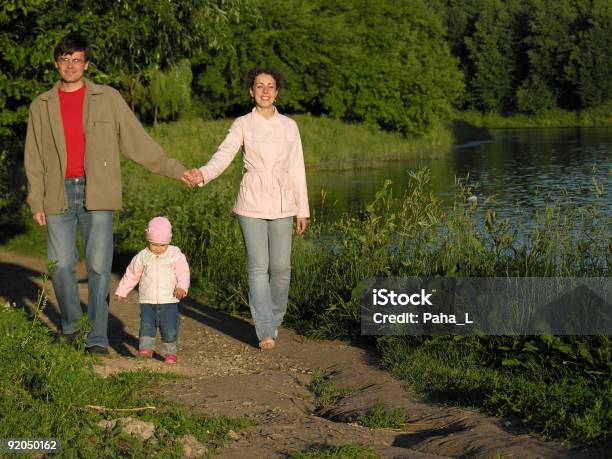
x=170 y=359
x=145 y=353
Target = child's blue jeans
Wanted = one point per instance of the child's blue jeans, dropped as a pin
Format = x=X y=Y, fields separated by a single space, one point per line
x=167 y=318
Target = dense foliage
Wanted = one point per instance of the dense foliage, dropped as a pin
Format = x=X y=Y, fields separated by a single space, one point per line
x=388 y=63
x=532 y=55
x=402 y=77
x=385 y=63
x=128 y=37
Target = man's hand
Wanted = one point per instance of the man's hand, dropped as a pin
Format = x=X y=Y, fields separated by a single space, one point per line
x=192 y=178
x=180 y=293
x=39 y=217
x=302 y=223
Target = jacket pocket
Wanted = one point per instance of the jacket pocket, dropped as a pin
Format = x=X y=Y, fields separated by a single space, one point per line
x=248 y=200
x=288 y=200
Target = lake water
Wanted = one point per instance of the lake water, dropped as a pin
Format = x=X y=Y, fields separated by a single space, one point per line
x=519 y=168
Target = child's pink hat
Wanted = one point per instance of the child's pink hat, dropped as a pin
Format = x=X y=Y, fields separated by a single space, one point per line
x=159 y=230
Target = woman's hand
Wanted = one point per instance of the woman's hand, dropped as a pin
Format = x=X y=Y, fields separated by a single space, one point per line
x=192 y=178
x=302 y=223
x=180 y=293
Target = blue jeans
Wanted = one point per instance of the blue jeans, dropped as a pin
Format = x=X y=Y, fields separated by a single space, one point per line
x=97 y=231
x=268 y=247
x=167 y=318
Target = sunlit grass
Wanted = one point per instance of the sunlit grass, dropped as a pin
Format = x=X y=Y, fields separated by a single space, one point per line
x=598 y=116
x=327 y=143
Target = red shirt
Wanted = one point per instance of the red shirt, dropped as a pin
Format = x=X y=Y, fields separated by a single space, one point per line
x=71 y=107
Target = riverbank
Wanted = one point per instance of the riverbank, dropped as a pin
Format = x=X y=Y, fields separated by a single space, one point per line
x=595 y=117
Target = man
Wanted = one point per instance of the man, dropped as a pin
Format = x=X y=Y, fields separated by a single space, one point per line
x=75 y=132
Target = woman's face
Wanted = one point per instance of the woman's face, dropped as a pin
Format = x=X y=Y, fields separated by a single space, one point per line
x=264 y=90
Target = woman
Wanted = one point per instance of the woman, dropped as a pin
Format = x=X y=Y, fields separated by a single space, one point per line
x=272 y=192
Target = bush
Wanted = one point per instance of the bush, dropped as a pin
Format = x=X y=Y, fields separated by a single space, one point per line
x=534 y=98
x=164 y=95
x=12 y=194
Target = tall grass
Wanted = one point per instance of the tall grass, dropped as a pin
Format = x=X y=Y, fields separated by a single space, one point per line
x=328 y=143
x=597 y=116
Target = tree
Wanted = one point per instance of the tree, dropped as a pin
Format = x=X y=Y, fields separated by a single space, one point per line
x=385 y=63
x=592 y=65
x=492 y=58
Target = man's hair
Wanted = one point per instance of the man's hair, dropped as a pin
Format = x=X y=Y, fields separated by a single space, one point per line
x=253 y=73
x=71 y=43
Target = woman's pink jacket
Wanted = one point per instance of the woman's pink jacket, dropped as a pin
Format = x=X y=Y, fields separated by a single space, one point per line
x=274 y=181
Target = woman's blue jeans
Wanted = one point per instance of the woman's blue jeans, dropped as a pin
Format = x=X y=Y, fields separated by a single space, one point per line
x=97 y=231
x=165 y=316
x=268 y=247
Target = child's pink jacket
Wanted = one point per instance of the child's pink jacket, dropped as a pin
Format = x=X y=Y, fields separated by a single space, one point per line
x=274 y=181
x=157 y=276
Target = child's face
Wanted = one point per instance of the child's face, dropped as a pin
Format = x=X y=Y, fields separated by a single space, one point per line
x=156 y=248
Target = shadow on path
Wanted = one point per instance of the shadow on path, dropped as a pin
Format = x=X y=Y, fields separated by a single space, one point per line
x=234 y=327
x=21 y=286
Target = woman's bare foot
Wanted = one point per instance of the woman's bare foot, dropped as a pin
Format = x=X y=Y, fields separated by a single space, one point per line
x=267 y=343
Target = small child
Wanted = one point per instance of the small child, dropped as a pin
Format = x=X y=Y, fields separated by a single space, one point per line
x=163 y=274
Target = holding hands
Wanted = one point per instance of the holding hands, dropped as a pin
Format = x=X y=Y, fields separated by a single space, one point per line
x=192 y=178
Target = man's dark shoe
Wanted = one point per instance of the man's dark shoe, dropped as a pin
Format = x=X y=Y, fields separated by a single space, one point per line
x=100 y=350
x=69 y=338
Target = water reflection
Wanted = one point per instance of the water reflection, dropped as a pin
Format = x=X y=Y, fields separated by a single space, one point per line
x=522 y=169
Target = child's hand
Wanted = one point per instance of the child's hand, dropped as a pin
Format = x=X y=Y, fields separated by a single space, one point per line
x=180 y=293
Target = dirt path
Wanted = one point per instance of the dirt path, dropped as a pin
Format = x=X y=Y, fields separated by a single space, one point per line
x=226 y=374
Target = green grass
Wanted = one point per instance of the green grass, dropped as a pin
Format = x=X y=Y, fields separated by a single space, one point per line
x=328 y=394
x=378 y=417
x=45 y=389
x=557 y=402
x=350 y=451
x=31 y=242
x=599 y=116
x=328 y=143
x=325 y=391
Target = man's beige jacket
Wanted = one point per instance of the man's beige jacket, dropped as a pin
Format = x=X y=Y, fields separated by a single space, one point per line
x=110 y=127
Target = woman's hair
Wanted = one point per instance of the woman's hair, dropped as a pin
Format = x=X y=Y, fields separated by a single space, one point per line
x=253 y=73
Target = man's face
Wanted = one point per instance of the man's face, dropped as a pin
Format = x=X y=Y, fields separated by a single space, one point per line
x=71 y=67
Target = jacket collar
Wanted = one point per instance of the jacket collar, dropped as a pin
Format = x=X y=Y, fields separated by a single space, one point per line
x=274 y=117
x=91 y=88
